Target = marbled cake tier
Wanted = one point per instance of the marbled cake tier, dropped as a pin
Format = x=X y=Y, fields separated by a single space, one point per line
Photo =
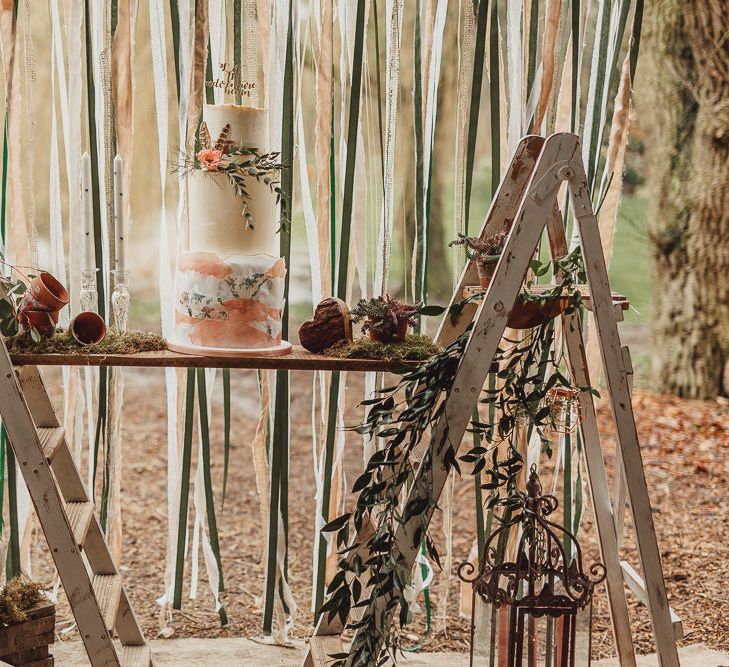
x=231 y=303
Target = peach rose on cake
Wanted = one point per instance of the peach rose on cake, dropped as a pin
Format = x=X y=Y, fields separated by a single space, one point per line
x=209 y=159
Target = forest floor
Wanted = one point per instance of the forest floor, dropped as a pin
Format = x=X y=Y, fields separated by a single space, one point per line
x=685 y=448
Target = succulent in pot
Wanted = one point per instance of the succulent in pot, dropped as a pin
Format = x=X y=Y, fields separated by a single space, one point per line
x=485 y=252
x=387 y=320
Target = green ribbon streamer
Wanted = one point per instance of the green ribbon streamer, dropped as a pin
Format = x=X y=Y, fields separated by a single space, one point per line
x=175 y=21
x=280 y=445
x=13 y=560
x=494 y=95
x=420 y=231
x=202 y=397
x=184 y=487
x=341 y=284
x=478 y=64
x=226 y=433
x=237 y=43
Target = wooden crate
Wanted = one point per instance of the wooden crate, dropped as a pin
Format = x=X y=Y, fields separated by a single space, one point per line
x=27 y=643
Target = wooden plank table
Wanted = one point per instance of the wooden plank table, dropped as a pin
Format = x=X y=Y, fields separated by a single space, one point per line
x=298 y=360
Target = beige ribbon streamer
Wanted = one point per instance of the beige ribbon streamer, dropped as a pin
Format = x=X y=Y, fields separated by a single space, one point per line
x=619 y=131
x=548 y=46
x=197 y=76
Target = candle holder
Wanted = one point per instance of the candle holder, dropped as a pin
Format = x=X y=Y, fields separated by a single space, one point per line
x=88 y=295
x=120 y=299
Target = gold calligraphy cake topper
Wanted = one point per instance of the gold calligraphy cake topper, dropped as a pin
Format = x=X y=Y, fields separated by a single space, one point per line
x=231 y=83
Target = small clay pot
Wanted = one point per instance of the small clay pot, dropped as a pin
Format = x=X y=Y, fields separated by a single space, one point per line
x=43 y=321
x=486 y=270
x=398 y=337
x=87 y=328
x=47 y=293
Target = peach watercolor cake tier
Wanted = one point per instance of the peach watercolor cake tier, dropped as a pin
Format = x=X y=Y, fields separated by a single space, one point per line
x=229 y=292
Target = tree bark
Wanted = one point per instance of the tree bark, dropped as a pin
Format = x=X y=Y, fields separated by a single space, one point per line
x=686 y=117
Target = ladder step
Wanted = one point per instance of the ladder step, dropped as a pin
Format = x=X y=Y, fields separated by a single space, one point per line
x=79 y=516
x=135 y=656
x=50 y=440
x=107 y=589
x=323 y=647
x=635 y=583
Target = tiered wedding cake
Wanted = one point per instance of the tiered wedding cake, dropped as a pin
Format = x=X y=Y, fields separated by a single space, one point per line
x=230 y=282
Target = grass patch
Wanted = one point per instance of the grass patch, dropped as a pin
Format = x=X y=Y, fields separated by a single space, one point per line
x=416 y=347
x=630 y=267
x=127 y=342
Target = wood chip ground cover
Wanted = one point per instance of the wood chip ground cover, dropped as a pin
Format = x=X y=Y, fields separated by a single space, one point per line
x=685 y=447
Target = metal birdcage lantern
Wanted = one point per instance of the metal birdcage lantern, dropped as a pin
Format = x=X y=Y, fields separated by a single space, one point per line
x=538 y=596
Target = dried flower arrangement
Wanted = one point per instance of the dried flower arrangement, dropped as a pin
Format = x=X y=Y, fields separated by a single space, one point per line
x=237 y=163
x=387 y=320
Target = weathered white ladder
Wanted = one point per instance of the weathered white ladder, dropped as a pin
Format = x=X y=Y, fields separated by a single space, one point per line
x=89 y=576
x=527 y=203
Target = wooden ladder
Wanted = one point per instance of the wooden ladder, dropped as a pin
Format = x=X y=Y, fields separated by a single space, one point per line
x=526 y=203
x=93 y=585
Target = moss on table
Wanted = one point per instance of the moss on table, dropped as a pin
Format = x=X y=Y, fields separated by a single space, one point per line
x=17 y=597
x=416 y=347
x=115 y=342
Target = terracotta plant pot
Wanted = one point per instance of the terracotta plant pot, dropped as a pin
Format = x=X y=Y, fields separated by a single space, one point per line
x=87 y=328
x=526 y=315
x=43 y=321
x=486 y=270
x=47 y=293
x=396 y=337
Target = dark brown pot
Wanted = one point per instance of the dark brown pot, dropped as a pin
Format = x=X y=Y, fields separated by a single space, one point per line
x=525 y=315
x=397 y=337
x=87 y=328
x=47 y=293
x=43 y=321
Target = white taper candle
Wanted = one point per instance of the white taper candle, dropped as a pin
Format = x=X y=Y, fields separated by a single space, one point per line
x=119 y=226
x=87 y=213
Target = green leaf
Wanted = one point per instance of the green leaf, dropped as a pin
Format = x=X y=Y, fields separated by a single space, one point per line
x=336 y=524
x=432 y=311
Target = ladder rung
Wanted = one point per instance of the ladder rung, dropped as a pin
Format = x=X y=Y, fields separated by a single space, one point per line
x=107 y=589
x=50 y=439
x=323 y=647
x=135 y=656
x=79 y=516
x=635 y=583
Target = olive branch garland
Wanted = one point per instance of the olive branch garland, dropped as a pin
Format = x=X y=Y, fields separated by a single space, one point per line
x=402 y=416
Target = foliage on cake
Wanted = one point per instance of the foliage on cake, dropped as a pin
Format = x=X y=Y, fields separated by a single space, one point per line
x=238 y=163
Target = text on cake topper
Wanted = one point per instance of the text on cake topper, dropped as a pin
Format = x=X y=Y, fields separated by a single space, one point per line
x=231 y=83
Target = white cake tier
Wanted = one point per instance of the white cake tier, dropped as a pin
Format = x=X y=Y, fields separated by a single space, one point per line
x=248 y=125
x=234 y=302
x=217 y=222
x=216 y=216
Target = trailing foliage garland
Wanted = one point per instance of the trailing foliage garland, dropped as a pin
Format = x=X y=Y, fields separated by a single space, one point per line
x=402 y=416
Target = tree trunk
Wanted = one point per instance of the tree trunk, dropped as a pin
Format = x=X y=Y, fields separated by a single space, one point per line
x=686 y=117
